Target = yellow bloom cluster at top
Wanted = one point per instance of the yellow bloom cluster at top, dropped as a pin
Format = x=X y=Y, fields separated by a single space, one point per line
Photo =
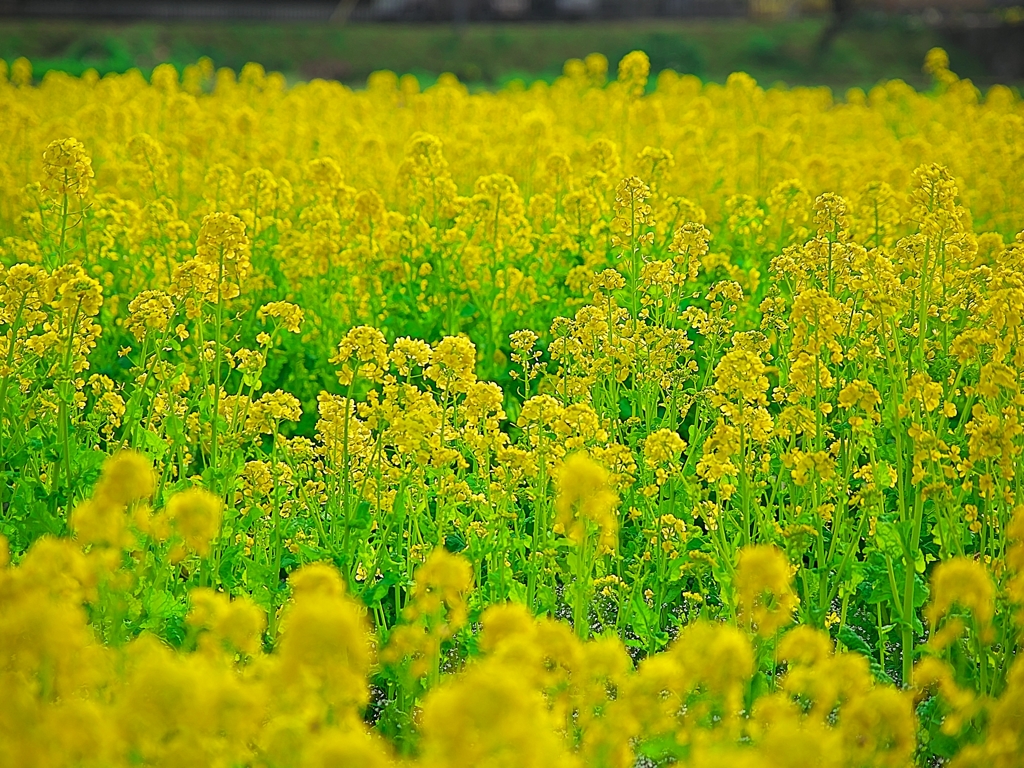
x=568 y=424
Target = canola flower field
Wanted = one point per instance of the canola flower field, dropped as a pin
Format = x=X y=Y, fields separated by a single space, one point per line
x=621 y=421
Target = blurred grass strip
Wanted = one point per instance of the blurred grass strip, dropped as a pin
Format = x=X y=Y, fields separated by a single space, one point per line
x=489 y=54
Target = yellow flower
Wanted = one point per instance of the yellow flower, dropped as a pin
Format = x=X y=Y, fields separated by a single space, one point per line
x=690 y=244
x=67 y=169
x=408 y=352
x=234 y=625
x=861 y=394
x=126 y=477
x=585 y=498
x=317 y=579
x=634 y=69
x=289 y=314
x=663 y=446
x=271 y=409
x=763 y=584
x=740 y=376
x=632 y=213
x=491 y=716
x=324 y=650
x=362 y=352
x=348 y=747
x=224 y=248
x=442 y=583
x=452 y=364
x=962 y=582
x=149 y=311
x=149 y=160
x=196 y=514
x=805 y=645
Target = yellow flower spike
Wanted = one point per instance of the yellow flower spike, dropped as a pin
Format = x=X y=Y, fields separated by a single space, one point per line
x=101 y=520
x=936 y=64
x=149 y=311
x=324 y=652
x=21 y=72
x=196 y=515
x=715 y=659
x=60 y=569
x=861 y=394
x=663 y=446
x=965 y=583
x=585 y=497
x=233 y=626
x=290 y=315
x=149 y=160
x=805 y=645
x=634 y=70
x=501 y=623
x=443 y=581
x=350 y=747
x=317 y=579
x=67 y=168
x=406 y=353
x=127 y=476
x=452 y=364
x=830 y=217
x=764 y=590
x=880 y=727
x=363 y=352
x=271 y=409
x=206 y=607
x=632 y=212
x=596 y=65
x=741 y=376
x=437 y=610
x=223 y=247
x=491 y=716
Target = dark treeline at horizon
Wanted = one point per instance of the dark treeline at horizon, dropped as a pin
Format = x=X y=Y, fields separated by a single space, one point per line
x=382 y=10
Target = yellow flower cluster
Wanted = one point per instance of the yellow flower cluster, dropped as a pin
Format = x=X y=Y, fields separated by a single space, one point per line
x=571 y=423
x=536 y=695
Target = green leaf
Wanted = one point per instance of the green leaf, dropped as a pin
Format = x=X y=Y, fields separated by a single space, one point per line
x=848 y=637
x=662 y=748
x=853 y=641
x=454 y=542
x=65 y=391
x=888 y=539
x=152 y=444
x=517 y=591
x=174 y=426
x=380 y=589
x=231 y=566
x=645 y=621
x=159 y=607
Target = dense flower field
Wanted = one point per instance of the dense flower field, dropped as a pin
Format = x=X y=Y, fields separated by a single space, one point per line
x=566 y=425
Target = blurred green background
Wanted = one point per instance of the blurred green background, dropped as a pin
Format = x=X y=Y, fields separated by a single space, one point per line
x=486 y=54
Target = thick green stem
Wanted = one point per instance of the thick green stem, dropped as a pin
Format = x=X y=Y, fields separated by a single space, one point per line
x=907 y=640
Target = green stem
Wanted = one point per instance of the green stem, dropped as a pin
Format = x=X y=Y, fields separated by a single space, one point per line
x=63 y=225
x=219 y=320
x=907 y=640
x=275 y=592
